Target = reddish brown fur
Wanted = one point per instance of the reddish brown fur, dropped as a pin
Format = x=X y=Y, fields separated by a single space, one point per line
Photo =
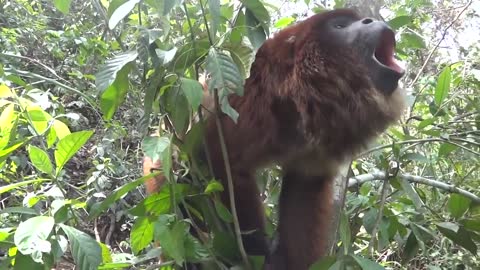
x=308 y=105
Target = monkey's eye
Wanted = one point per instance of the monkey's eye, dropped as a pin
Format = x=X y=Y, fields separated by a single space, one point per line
x=340 y=25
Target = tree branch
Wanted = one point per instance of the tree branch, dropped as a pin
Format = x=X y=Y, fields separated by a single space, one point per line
x=359 y=180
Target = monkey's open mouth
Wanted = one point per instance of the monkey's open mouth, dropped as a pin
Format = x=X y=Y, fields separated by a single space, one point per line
x=384 y=52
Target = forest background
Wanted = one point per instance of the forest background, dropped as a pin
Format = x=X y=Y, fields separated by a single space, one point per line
x=83 y=84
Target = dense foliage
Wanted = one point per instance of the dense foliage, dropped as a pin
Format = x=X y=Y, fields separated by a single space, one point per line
x=83 y=83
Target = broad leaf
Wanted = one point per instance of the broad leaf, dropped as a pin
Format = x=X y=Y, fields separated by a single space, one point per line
x=33 y=233
x=460 y=237
x=193 y=90
x=224 y=76
x=255 y=31
x=258 y=10
x=458 y=205
x=97 y=209
x=284 y=22
x=62 y=5
x=108 y=73
x=114 y=95
x=243 y=57
x=68 y=146
x=443 y=86
x=40 y=159
x=366 y=264
x=86 y=252
x=141 y=234
x=154 y=146
x=121 y=12
x=214 y=7
x=400 y=21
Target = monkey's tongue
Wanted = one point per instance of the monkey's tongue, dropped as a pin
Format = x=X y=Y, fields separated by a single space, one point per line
x=385 y=50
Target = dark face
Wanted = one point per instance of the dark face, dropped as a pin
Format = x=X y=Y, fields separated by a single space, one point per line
x=374 y=41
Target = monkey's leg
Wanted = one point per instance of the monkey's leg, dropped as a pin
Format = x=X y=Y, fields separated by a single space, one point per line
x=249 y=211
x=305 y=207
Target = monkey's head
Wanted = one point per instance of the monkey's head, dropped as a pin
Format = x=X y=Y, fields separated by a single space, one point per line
x=373 y=42
x=370 y=41
x=340 y=41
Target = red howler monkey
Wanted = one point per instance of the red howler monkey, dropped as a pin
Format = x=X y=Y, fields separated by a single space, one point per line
x=318 y=91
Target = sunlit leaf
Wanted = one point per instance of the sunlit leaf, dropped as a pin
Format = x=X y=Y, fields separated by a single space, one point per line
x=62 y=5
x=141 y=234
x=284 y=22
x=69 y=146
x=121 y=12
x=31 y=232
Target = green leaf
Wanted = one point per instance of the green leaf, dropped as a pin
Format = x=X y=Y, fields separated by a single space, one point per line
x=243 y=57
x=257 y=9
x=413 y=40
x=284 y=22
x=400 y=21
x=214 y=7
x=193 y=91
x=223 y=212
x=62 y=5
x=224 y=76
x=445 y=149
x=472 y=224
x=68 y=146
x=443 y=86
x=108 y=73
x=427 y=122
x=141 y=234
x=40 y=159
x=160 y=203
x=154 y=146
x=239 y=29
x=412 y=194
x=449 y=226
x=255 y=31
x=324 y=263
x=366 y=264
x=411 y=248
x=458 y=205
x=97 y=209
x=173 y=240
x=121 y=12
x=460 y=237
x=86 y=252
x=31 y=235
x=369 y=219
x=23 y=262
x=114 y=95
x=213 y=186
x=176 y=105
x=7 y=188
x=20 y=210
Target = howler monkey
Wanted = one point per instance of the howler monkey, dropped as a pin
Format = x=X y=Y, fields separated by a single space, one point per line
x=318 y=91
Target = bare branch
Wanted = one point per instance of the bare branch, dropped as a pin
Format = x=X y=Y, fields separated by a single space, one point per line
x=358 y=180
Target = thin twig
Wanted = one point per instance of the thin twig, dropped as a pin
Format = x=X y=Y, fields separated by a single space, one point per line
x=231 y=193
x=386 y=185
